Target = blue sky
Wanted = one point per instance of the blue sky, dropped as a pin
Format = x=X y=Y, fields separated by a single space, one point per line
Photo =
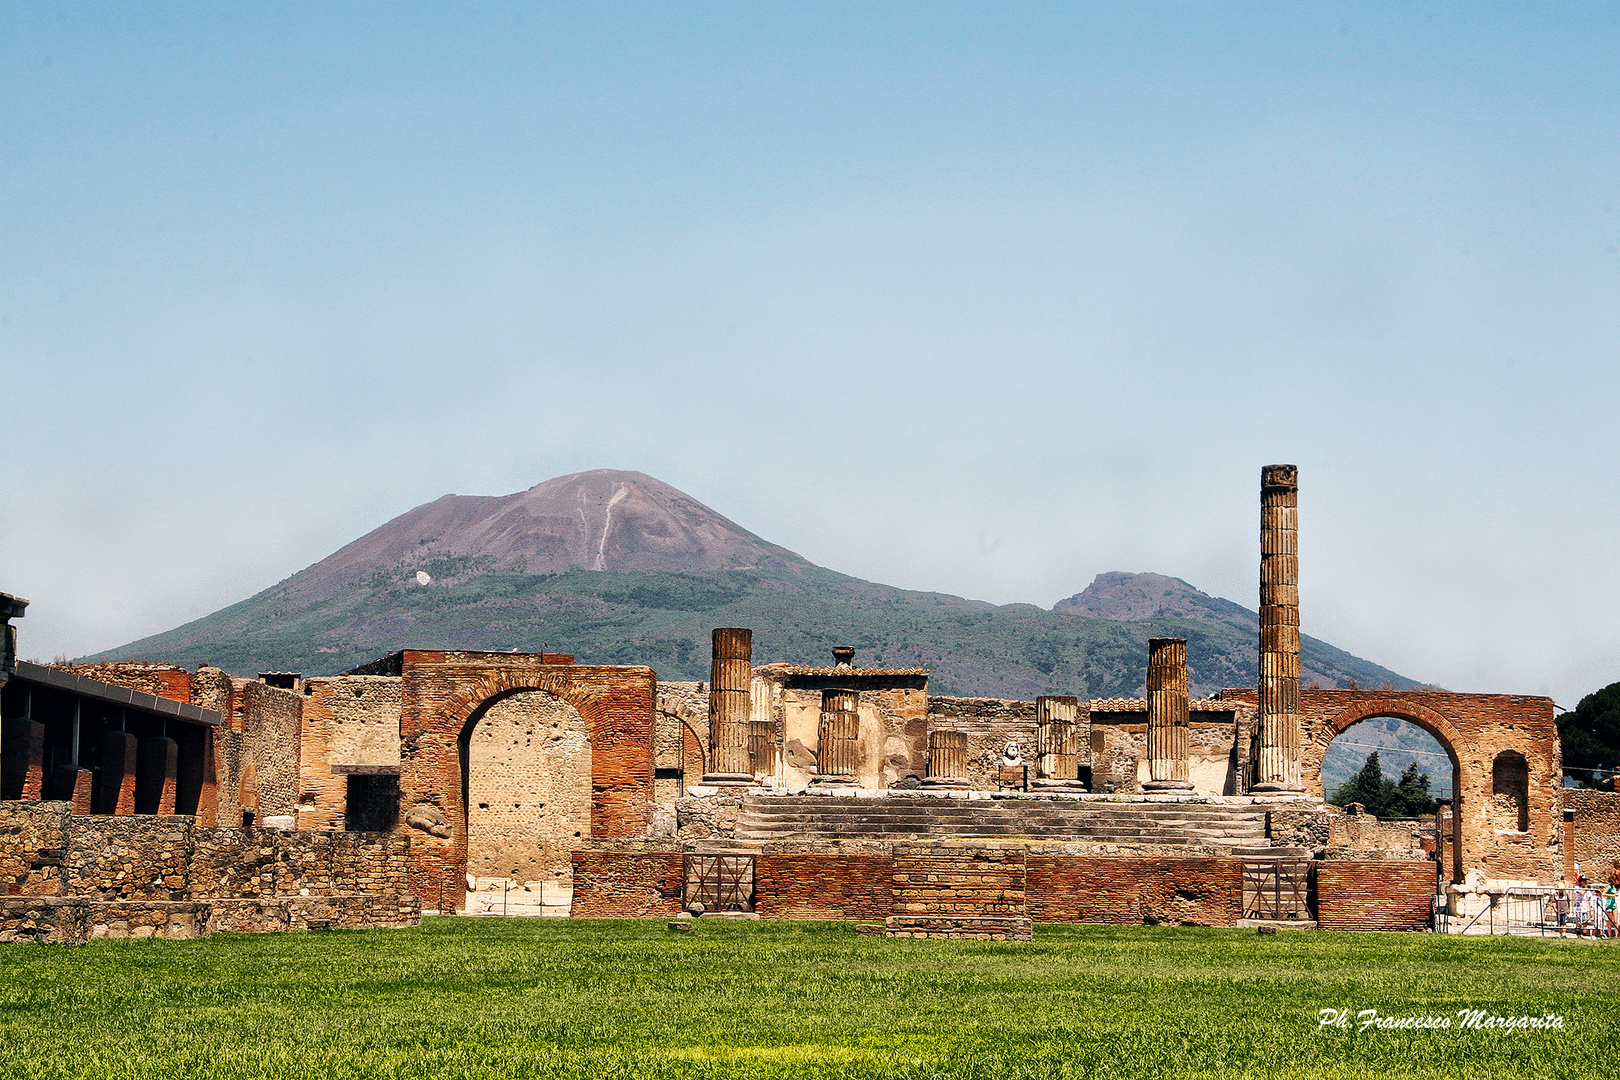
x=1025 y=292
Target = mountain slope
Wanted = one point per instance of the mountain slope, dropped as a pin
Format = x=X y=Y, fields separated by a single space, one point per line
x=617 y=567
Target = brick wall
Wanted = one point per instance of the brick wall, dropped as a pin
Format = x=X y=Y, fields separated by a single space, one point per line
x=958 y=879
x=1477 y=729
x=803 y=885
x=1155 y=889
x=627 y=884
x=990 y=723
x=1382 y=895
x=443 y=691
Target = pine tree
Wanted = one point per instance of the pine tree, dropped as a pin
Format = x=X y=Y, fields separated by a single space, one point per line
x=1366 y=787
x=1412 y=794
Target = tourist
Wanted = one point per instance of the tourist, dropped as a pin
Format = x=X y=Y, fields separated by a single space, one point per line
x=1585 y=908
x=1561 y=906
x=1610 y=927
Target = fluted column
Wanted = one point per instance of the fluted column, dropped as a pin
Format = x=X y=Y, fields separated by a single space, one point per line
x=1278 y=766
x=838 y=742
x=1167 y=715
x=1057 y=738
x=731 y=673
x=947 y=755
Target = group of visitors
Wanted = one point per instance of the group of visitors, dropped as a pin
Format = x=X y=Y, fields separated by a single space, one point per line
x=1592 y=905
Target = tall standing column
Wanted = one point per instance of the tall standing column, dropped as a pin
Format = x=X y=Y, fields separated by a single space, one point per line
x=730 y=675
x=1278 y=767
x=1167 y=715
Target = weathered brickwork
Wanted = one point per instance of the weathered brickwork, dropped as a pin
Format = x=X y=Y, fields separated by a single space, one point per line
x=1475 y=729
x=817 y=885
x=681 y=738
x=891 y=733
x=445 y=691
x=1594 y=825
x=1154 y=890
x=958 y=879
x=348 y=720
x=627 y=884
x=1374 y=895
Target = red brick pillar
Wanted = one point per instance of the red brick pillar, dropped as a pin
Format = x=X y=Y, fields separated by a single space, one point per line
x=156 y=778
x=1278 y=767
x=731 y=674
x=1167 y=734
x=115 y=788
x=22 y=759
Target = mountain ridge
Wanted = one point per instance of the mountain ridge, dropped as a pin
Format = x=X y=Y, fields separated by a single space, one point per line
x=619 y=567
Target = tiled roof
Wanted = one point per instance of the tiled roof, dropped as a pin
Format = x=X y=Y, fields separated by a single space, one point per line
x=845 y=671
x=1129 y=704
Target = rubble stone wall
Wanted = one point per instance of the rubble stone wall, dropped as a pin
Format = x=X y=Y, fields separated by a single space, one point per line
x=1595 y=839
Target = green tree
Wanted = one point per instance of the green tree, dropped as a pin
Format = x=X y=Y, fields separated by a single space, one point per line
x=1366 y=787
x=1383 y=797
x=1412 y=793
x=1591 y=734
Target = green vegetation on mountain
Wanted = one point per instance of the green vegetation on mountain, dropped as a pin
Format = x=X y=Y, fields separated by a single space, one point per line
x=617 y=567
x=664 y=620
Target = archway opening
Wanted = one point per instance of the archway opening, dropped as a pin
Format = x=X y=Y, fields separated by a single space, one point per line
x=1413 y=768
x=526 y=791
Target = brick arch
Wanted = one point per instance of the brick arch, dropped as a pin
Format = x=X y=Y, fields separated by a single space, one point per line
x=443 y=692
x=1396 y=708
x=1474 y=729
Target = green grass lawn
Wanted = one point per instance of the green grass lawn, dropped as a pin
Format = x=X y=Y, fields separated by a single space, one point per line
x=522 y=997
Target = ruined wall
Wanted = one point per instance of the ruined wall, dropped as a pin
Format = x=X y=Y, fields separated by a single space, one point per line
x=972 y=880
x=1217 y=744
x=681 y=738
x=270 y=723
x=1594 y=840
x=160 y=680
x=528 y=789
x=1364 y=832
x=444 y=690
x=347 y=720
x=1374 y=895
x=627 y=884
x=32 y=847
x=893 y=732
x=1155 y=890
x=991 y=725
x=1475 y=729
x=824 y=884
x=166 y=876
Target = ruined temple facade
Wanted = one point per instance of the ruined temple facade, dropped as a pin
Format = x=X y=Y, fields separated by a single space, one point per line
x=531 y=784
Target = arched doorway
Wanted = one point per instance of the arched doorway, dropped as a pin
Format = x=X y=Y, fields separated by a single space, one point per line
x=1429 y=740
x=526 y=793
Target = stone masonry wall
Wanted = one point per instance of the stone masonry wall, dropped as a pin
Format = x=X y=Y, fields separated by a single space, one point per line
x=991 y=724
x=958 y=879
x=1595 y=843
x=33 y=842
x=1374 y=895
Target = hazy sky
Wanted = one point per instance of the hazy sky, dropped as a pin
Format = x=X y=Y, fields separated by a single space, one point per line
x=985 y=298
